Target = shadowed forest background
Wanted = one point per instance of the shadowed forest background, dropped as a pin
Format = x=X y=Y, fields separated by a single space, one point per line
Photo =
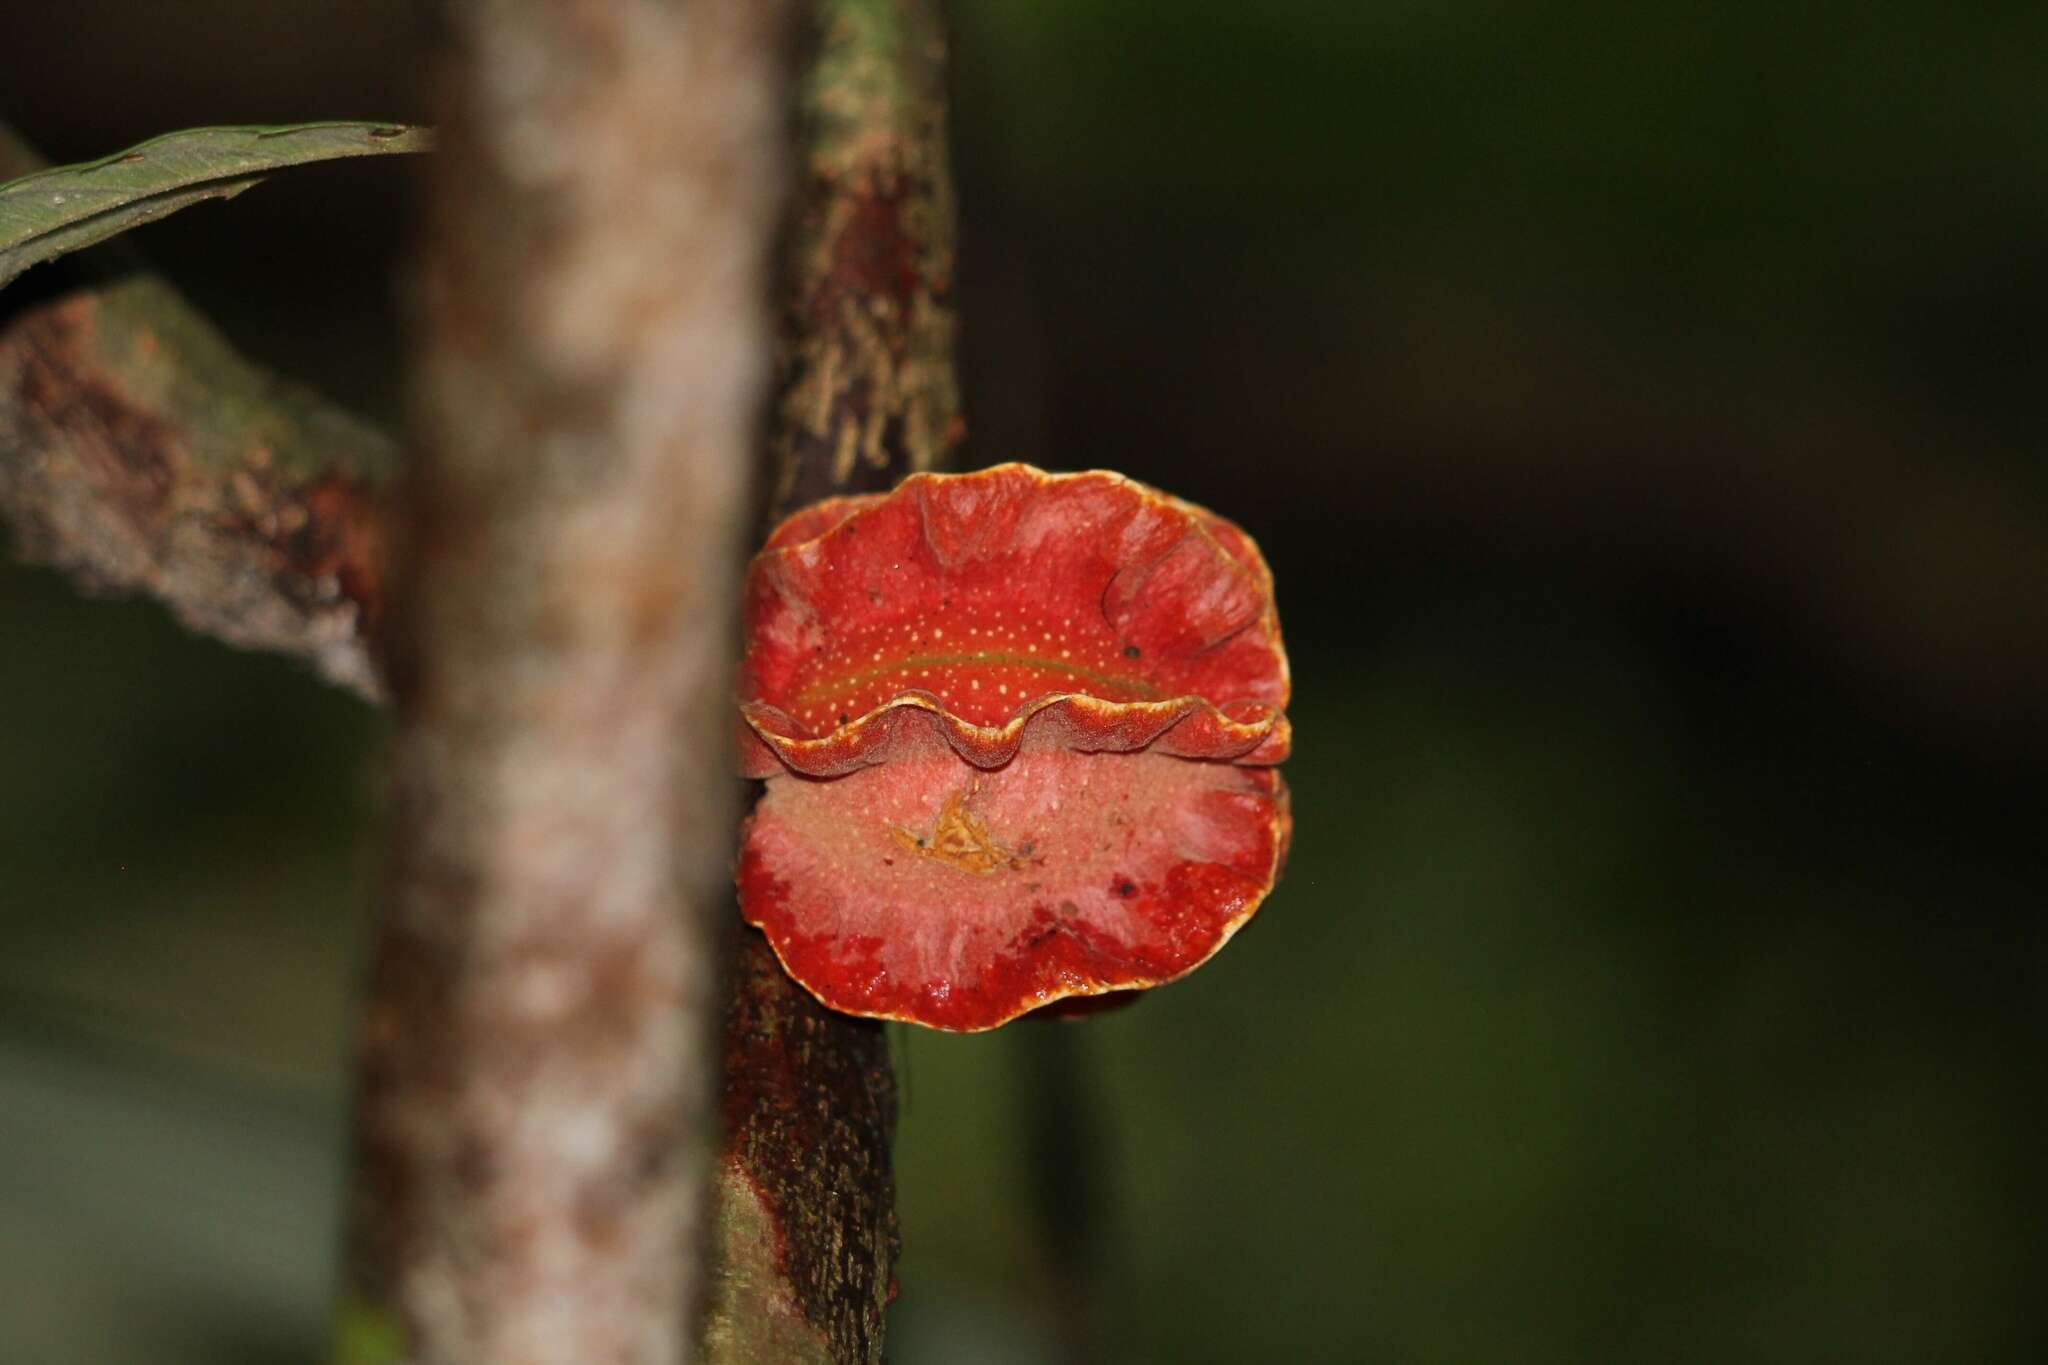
x=1643 y=412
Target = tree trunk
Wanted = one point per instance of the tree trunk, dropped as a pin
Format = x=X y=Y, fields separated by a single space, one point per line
x=535 y=1117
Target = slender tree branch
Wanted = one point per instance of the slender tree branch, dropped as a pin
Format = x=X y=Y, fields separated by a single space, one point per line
x=865 y=392
x=538 y=1070
x=140 y=453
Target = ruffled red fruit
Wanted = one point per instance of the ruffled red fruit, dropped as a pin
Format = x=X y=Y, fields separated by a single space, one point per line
x=1018 y=730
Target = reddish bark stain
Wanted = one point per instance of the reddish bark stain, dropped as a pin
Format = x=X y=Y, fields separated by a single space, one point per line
x=874 y=256
x=343 y=536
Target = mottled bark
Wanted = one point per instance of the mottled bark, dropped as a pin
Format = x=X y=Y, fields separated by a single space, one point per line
x=865 y=393
x=866 y=389
x=140 y=453
x=538 y=1061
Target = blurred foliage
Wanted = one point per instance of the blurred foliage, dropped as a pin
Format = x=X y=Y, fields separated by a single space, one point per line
x=1643 y=411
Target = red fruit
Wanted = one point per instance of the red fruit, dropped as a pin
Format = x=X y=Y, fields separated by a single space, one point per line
x=1018 y=731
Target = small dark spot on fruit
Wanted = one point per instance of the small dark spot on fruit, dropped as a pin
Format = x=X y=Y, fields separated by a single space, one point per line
x=1070 y=910
x=842 y=718
x=1127 y=888
x=1131 y=651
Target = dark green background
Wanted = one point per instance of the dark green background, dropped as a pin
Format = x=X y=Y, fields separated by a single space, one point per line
x=1643 y=408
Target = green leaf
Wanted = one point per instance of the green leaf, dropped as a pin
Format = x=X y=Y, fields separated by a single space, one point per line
x=45 y=215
